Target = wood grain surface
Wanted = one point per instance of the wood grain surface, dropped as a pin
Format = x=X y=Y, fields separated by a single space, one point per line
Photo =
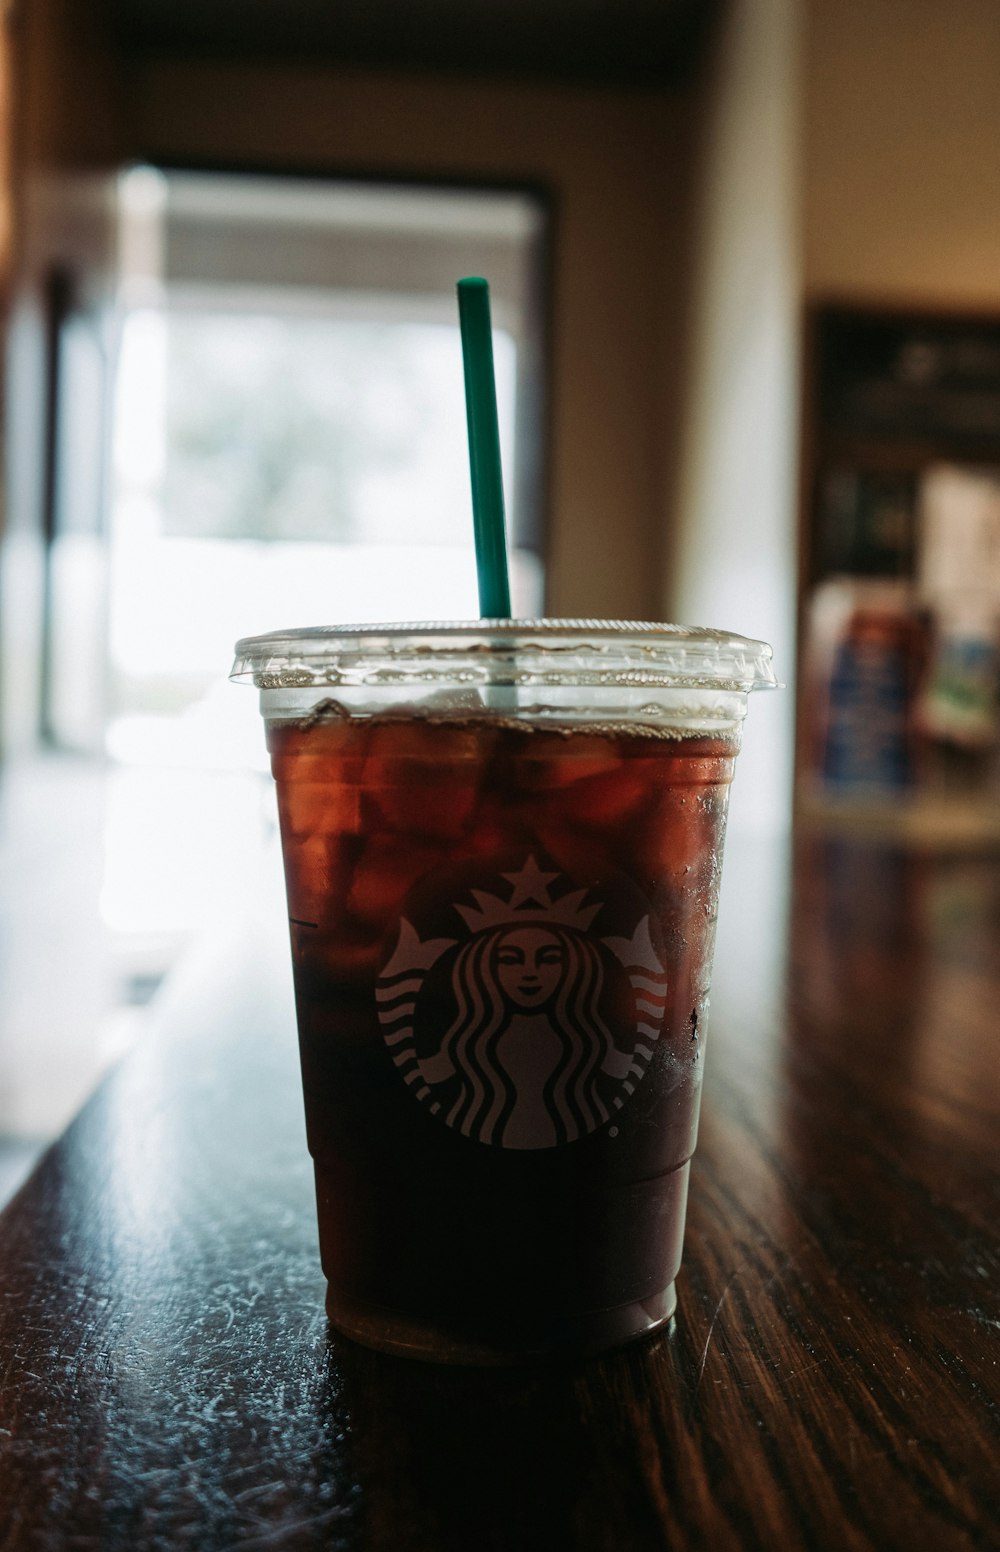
x=831 y=1381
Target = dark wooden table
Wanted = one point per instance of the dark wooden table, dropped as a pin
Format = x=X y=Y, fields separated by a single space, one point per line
x=831 y=1381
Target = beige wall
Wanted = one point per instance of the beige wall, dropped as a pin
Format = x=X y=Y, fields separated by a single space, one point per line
x=902 y=150
x=66 y=139
x=618 y=165
x=66 y=88
x=733 y=561
x=851 y=149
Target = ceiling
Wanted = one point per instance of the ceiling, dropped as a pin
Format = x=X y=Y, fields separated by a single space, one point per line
x=653 y=44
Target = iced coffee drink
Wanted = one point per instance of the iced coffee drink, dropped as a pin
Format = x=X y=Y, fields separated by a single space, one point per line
x=502 y=849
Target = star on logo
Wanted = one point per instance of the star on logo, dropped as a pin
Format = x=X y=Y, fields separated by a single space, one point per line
x=530 y=900
x=530 y=884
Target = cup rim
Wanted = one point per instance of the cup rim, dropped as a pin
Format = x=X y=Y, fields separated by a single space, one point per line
x=691 y=654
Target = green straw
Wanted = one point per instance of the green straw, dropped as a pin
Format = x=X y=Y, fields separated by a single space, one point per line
x=484 y=448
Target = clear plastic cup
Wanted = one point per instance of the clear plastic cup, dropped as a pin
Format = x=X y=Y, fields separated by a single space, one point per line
x=502 y=846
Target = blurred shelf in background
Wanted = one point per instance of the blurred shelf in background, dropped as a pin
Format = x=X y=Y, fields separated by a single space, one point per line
x=899 y=685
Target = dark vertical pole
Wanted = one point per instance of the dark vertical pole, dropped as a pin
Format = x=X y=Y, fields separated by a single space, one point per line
x=57 y=300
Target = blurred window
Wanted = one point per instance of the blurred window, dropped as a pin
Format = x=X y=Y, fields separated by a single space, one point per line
x=285 y=452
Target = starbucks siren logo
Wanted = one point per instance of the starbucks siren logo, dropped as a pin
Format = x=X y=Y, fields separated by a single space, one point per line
x=503 y=1032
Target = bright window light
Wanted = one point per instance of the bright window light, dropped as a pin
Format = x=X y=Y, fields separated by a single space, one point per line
x=289 y=449
x=270 y=471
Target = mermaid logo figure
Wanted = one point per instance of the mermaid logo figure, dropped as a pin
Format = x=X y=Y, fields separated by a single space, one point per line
x=531 y=1031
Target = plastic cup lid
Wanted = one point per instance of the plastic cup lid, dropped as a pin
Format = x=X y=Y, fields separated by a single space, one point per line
x=589 y=650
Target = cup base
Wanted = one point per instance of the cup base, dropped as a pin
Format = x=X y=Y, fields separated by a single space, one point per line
x=574 y=1336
